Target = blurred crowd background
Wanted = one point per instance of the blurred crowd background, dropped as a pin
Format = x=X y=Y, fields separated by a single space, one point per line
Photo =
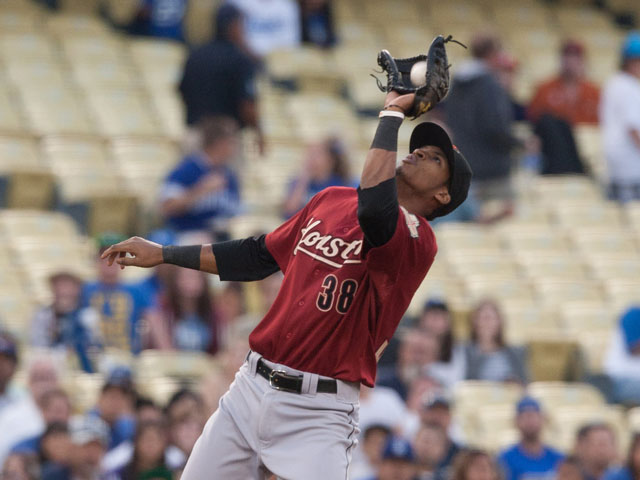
x=191 y=121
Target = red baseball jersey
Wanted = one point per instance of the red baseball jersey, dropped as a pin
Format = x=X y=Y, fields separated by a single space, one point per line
x=339 y=304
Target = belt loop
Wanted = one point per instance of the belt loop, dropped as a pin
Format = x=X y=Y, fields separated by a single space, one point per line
x=252 y=359
x=313 y=383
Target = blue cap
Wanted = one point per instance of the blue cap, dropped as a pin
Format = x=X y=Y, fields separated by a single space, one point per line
x=630 y=325
x=397 y=448
x=435 y=304
x=631 y=46
x=528 y=404
x=120 y=377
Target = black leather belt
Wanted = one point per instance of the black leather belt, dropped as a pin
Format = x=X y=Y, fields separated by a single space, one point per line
x=281 y=380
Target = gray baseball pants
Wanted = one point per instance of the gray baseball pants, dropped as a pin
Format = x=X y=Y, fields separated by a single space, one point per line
x=257 y=430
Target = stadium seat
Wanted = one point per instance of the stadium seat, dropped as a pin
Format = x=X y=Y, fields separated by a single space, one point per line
x=31 y=188
x=513 y=287
x=19 y=22
x=468 y=394
x=622 y=293
x=103 y=73
x=19 y=225
x=35 y=72
x=160 y=389
x=633 y=419
x=522 y=239
x=606 y=241
x=19 y=152
x=64 y=24
x=197 y=20
x=587 y=315
x=611 y=266
x=11 y=120
x=460 y=237
x=556 y=292
x=590 y=213
x=525 y=321
x=556 y=267
x=88 y=49
x=496 y=264
x=175 y=364
x=112 y=212
x=594 y=348
x=84 y=389
x=560 y=394
x=553 y=360
x=27 y=45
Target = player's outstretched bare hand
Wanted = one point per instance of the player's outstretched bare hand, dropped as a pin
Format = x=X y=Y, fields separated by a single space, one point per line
x=404 y=102
x=143 y=253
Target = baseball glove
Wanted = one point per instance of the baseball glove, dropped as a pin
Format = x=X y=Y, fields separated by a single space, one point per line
x=436 y=84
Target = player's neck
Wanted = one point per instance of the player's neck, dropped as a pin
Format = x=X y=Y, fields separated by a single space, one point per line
x=408 y=199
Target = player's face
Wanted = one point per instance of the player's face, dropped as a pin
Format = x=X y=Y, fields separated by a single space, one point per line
x=426 y=171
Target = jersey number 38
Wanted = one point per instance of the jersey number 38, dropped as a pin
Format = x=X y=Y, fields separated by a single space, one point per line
x=342 y=296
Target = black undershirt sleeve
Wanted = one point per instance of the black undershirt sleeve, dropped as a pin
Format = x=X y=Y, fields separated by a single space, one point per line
x=378 y=212
x=244 y=260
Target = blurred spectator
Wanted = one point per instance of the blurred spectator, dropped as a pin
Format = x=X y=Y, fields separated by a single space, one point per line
x=189 y=312
x=116 y=407
x=270 y=24
x=596 y=450
x=436 y=320
x=22 y=419
x=230 y=307
x=326 y=165
x=367 y=458
x=631 y=469
x=186 y=417
x=155 y=285
x=506 y=69
x=55 y=408
x=21 y=467
x=65 y=324
x=8 y=364
x=148 y=456
x=161 y=18
x=436 y=409
x=622 y=361
x=560 y=104
x=202 y=192
x=381 y=406
x=480 y=114
x=416 y=352
x=430 y=445
x=620 y=120
x=398 y=461
x=123 y=308
x=568 y=95
x=54 y=449
x=569 y=469
x=89 y=438
x=316 y=20
x=529 y=458
x=487 y=357
x=219 y=79
x=474 y=465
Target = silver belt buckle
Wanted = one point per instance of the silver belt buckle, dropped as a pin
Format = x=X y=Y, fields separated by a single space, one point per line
x=272 y=374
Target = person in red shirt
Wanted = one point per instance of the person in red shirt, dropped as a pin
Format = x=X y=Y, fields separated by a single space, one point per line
x=560 y=104
x=569 y=95
x=352 y=260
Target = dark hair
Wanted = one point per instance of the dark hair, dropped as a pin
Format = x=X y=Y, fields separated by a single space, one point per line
x=633 y=445
x=217 y=128
x=571 y=460
x=446 y=341
x=433 y=426
x=463 y=461
x=52 y=429
x=144 y=402
x=376 y=427
x=474 y=314
x=131 y=471
x=178 y=396
x=204 y=303
x=585 y=430
x=483 y=45
x=340 y=163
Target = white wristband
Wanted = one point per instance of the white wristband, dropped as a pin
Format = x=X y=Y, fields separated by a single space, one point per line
x=391 y=113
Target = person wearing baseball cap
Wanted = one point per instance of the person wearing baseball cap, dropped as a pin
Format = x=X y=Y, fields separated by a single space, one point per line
x=620 y=121
x=398 y=460
x=529 y=457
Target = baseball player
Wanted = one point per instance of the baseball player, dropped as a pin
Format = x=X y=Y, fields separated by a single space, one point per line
x=352 y=260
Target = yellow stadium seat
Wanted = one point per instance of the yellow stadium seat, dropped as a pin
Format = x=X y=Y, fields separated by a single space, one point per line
x=483 y=286
x=495 y=426
x=525 y=321
x=595 y=214
x=633 y=418
x=89 y=49
x=496 y=264
x=569 y=187
x=553 y=360
x=153 y=363
x=461 y=237
x=147 y=53
x=16 y=21
x=594 y=346
x=553 y=267
x=63 y=24
x=170 y=110
x=56 y=109
x=632 y=214
x=533 y=239
x=19 y=152
x=468 y=394
x=622 y=293
x=123 y=111
x=11 y=120
x=114 y=212
x=27 y=45
x=84 y=389
x=606 y=241
x=160 y=389
x=103 y=73
x=558 y=394
x=197 y=20
x=33 y=188
x=20 y=225
x=612 y=266
x=35 y=72
x=556 y=292
x=587 y=315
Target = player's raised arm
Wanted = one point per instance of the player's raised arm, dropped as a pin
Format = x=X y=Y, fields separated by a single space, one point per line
x=240 y=260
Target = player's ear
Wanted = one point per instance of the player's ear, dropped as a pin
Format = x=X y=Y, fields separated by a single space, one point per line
x=442 y=196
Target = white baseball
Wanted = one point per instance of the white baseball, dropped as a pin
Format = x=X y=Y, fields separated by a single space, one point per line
x=418 y=73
